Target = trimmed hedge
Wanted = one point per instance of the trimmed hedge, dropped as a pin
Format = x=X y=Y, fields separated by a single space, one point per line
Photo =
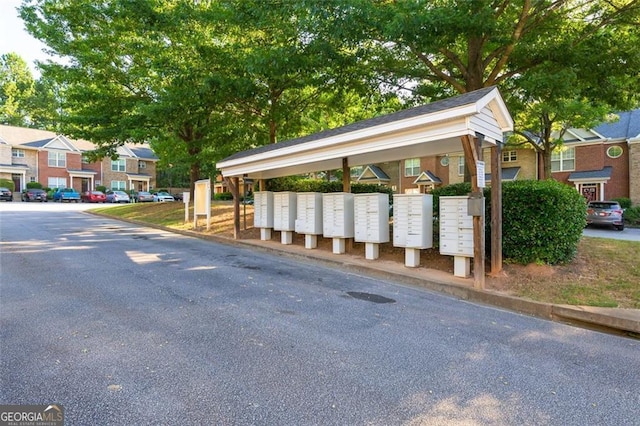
x=34 y=185
x=542 y=221
x=313 y=185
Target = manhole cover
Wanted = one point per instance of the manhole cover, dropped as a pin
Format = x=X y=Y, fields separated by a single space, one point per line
x=369 y=297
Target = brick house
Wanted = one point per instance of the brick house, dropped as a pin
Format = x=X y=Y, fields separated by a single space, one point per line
x=55 y=161
x=601 y=163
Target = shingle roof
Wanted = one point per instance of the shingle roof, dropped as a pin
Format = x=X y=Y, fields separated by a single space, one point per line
x=627 y=127
x=36 y=138
x=605 y=173
x=378 y=173
x=427 y=176
x=508 y=173
x=449 y=103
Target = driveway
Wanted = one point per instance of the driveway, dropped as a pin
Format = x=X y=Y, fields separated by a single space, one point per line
x=629 y=234
x=123 y=324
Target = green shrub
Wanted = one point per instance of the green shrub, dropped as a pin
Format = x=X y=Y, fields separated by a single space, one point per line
x=624 y=202
x=8 y=183
x=101 y=188
x=297 y=184
x=632 y=216
x=223 y=196
x=542 y=221
x=34 y=185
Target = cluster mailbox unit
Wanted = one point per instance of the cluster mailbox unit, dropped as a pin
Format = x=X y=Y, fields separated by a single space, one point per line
x=456 y=233
x=337 y=219
x=284 y=215
x=263 y=213
x=412 y=225
x=371 y=222
x=309 y=217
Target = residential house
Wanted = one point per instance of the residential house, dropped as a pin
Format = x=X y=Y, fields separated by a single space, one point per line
x=601 y=163
x=55 y=161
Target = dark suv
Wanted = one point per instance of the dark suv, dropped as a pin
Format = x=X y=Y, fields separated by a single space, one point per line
x=34 y=195
x=605 y=213
x=6 y=194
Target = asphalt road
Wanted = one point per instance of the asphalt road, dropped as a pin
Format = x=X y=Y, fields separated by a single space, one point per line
x=125 y=325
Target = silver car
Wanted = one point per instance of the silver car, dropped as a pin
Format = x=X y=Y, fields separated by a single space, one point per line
x=117 y=197
x=605 y=213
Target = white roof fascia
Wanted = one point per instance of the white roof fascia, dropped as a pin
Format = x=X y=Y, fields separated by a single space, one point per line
x=381 y=142
x=125 y=151
x=66 y=142
x=355 y=135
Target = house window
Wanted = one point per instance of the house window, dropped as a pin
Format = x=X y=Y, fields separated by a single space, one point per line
x=32 y=179
x=118 y=185
x=461 y=166
x=563 y=160
x=444 y=161
x=119 y=165
x=17 y=153
x=412 y=167
x=509 y=156
x=55 y=182
x=85 y=160
x=57 y=159
x=614 y=151
x=142 y=165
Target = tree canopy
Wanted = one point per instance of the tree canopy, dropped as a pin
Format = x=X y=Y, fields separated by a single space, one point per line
x=203 y=79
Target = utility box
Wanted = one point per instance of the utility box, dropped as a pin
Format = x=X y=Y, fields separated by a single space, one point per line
x=413 y=225
x=371 y=221
x=456 y=233
x=309 y=217
x=263 y=213
x=337 y=218
x=284 y=214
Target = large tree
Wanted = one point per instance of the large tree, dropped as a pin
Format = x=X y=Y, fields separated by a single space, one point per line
x=16 y=90
x=540 y=53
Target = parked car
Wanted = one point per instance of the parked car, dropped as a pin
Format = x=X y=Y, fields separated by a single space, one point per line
x=34 y=194
x=118 y=197
x=143 y=197
x=6 y=194
x=93 y=197
x=163 y=196
x=66 y=194
x=605 y=213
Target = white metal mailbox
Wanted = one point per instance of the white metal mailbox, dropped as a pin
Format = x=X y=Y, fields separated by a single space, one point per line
x=284 y=214
x=263 y=213
x=309 y=217
x=337 y=218
x=456 y=233
x=371 y=221
x=413 y=225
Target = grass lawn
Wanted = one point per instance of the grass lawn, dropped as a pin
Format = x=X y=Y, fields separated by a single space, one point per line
x=605 y=272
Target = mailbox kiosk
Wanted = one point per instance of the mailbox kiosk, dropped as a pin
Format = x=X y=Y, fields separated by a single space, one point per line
x=456 y=233
x=371 y=221
x=309 y=217
x=412 y=225
x=284 y=215
x=337 y=218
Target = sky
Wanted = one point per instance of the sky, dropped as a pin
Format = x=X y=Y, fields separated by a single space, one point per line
x=14 y=38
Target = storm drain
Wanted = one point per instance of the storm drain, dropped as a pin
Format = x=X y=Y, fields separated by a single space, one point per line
x=369 y=297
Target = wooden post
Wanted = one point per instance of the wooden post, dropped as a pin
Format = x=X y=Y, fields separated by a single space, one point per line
x=262 y=184
x=234 y=185
x=472 y=155
x=346 y=176
x=496 y=210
